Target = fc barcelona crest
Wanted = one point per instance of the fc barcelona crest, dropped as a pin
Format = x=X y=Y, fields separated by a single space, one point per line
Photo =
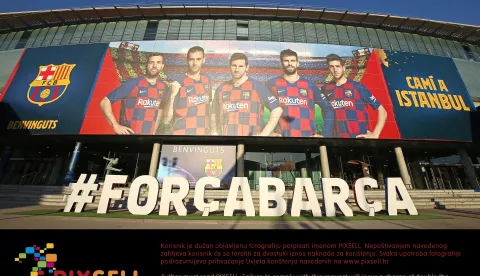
x=50 y=84
x=348 y=93
x=246 y=95
x=303 y=92
x=213 y=167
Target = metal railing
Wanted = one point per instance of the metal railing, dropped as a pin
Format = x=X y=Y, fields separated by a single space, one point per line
x=29 y=177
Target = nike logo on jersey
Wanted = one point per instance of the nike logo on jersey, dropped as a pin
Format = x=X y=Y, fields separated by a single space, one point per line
x=281 y=91
x=141 y=91
x=189 y=90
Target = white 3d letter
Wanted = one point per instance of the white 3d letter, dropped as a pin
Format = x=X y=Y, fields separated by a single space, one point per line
x=199 y=199
x=175 y=198
x=312 y=201
x=232 y=202
x=266 y=196
x=329 y=198
x=394 y=185
x=152 y=197
x=109 y=193
x=360 y=199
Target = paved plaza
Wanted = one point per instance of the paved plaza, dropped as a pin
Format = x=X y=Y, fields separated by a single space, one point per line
x=451 y=219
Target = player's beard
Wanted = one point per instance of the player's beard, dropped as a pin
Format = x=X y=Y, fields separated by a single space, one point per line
x=287 y=72
x=151 y=75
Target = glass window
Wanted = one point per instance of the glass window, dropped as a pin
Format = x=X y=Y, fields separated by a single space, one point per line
x=288 y=32
x=129 y=31
x=162 y=29
x=15 y=40
x=32 y=38
x=321 y=33
x=219 y=29
x=353 y=36
x=140 y=30
x=197 y=27
x=392 y=39
x=445 y=48
x=7 y=41
x=420 y=45
x=242 y=30
x=118 y=32
x=437 y=46
x=277 y=31
x=185 y=28
x=207 y=31
x=107 y=35
x=476 y=54
x=411 y=43
x=49 y=37
x=87 y=34
x=23 y=40
x=429 y=45
x=231 y=29
x=332 y=35
x=453 y=49
x=2 y=39
x=382 y=36
x=57 y=39
x=97 y=33
x=151 y=30
x=364 y=39
x=253 y=30
x=68 y=34
x=373 y=36
x=78 y=34
x=461 y=50
x=40 y=37
x=402 y=42
x=299 y=32
x=310 y=33
x=173 y=30
x=342 y=35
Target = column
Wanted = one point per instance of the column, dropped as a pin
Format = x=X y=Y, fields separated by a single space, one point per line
x=469 y=170
x=240 y=160
x=324 y=162
x=403 y=168
x=73 y=162
x=154 y=160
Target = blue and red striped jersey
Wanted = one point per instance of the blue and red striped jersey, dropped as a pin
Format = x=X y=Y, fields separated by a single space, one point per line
x=239 y=109
x=141 y=102
x=191 y=106
x=298 y=101
x=350 y=102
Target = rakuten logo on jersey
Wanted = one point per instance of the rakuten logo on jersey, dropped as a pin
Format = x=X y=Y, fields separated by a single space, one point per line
x=198 y=99
x=293 y=101
x=229 y=107
x=148 y=103
x=342 y=104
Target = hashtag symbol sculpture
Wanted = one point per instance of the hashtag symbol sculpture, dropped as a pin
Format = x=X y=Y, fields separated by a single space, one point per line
x=81 y=193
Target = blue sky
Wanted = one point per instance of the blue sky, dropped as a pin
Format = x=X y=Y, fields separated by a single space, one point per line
x=459 y=11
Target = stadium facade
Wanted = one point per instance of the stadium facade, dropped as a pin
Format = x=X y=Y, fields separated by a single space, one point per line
x=210 y=91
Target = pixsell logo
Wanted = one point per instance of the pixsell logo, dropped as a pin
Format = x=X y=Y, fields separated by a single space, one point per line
x=44 y=263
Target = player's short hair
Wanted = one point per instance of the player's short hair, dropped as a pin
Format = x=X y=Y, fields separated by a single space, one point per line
x=238 y=56
x=154 y=55
x=288 y=53
x=195 y=49
x=334 y=57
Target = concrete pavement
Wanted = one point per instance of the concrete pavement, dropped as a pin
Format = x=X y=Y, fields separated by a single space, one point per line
x=453 y=219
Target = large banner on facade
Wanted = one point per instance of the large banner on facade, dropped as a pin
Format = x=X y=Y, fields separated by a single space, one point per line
x=50 y=90
x=237 y=88
x=193 y=162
